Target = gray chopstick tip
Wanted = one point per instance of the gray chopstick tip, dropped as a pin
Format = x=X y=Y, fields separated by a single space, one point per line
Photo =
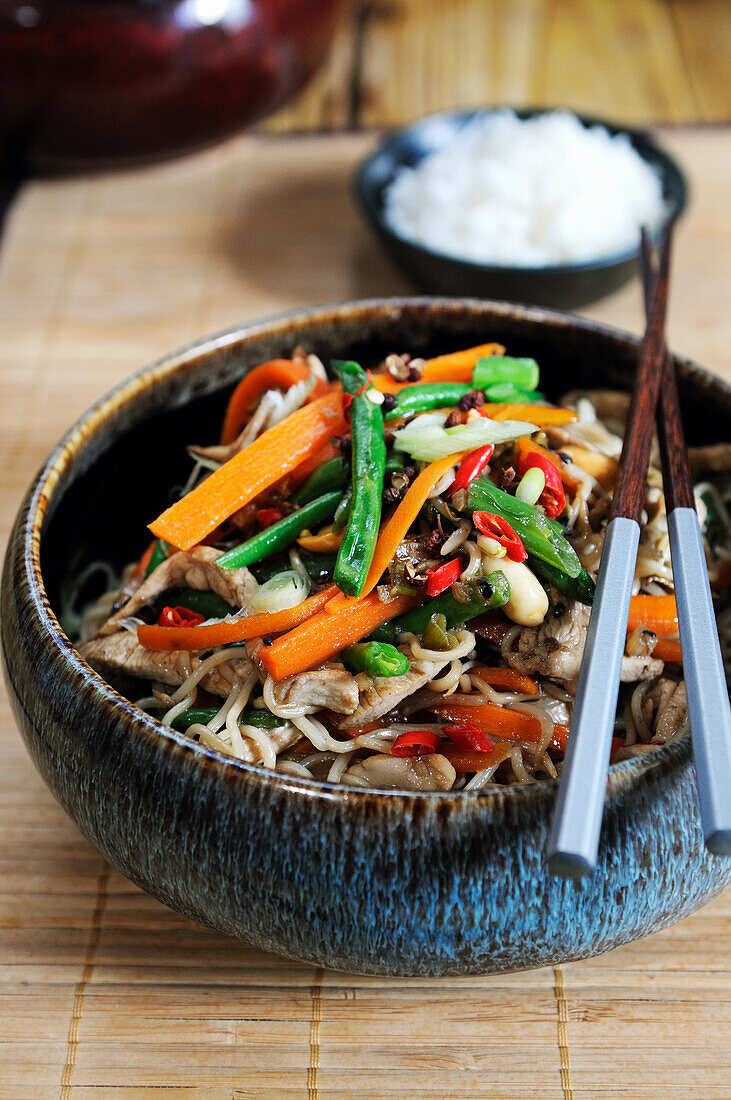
x=719 y=842
x=570 y=865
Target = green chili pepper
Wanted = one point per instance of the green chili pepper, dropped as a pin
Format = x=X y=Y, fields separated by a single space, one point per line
x=159 y=555
x=580 y=588
x=331 y=475
x=368 y=461
x=538 y=533
x=375 y=658
x=421 y=398
x=209 y=604
x=281 y=534
x=263 y=719
x=506 y=391
x=521 y=373
x=485 y=595
x=436 y=635
x=342 y=511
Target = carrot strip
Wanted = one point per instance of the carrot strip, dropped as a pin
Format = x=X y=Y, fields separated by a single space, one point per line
x=277 y=451
x=601 y=467
x=455 y=367
x=542 y=415
x=393 y=532
x=668 y=650
x=276 y=374
x=141 y=568
x=240 y=630
x=509 y=725
x=657 y=613
x=506 y=678
x=472 y=760
x=324 y=635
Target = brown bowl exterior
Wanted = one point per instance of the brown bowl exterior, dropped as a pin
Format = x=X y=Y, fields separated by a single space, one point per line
x=381 y=883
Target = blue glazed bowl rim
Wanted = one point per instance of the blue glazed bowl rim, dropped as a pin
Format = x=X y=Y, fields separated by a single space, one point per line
x=141 y=724
x=369 y=194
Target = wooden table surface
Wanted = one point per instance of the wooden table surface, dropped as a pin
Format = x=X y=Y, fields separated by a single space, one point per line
x=104 y=992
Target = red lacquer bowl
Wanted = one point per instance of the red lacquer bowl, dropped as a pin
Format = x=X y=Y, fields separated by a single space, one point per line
x=88 y=83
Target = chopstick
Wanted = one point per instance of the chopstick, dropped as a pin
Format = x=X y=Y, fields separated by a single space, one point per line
x=705 y=680
x=574 y=839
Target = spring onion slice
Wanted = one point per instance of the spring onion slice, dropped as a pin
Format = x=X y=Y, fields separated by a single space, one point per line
x=428 y=442
x=285 y=590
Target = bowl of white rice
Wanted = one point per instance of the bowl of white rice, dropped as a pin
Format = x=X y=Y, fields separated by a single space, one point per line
x=541 y=207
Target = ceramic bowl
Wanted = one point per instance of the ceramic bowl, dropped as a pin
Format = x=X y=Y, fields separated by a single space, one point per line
x=561 y=286
x=367 y=881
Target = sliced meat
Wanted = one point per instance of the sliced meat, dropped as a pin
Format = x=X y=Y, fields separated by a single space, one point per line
x=380 y=694
x=555 y=648
x=670 y=703
x=187 y=569
x=403 y=773
x=121 y=654
x=333 y=688
x=609 y=404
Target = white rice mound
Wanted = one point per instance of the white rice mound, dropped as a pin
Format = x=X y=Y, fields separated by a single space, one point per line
x=527 y=193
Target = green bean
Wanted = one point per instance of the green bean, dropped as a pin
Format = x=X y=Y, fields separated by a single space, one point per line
x=580 y=588
x=522 y=373
x=263 y=719
x=331 y=475
x=507 y=391
x=421 y=398
x=159 y=555
x=485 y=595
x=368 y=461
x=209 y=604
x=281 y=534
x=375 y=659
x=538 y=533
x=342 y=512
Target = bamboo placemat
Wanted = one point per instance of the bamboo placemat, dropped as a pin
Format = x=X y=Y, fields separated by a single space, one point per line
x=104 y=992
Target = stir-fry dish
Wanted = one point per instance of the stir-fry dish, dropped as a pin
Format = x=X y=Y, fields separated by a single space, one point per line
x=383 y=577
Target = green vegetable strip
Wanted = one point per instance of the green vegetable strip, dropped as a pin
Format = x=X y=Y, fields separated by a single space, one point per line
x=209 y=604
x=159 y=555
x=486 y=595
x=416 y=399
x=281 y=534
x=522 y=373
x=580 y=588
x=506 y=391
x=263 y=719
x=375 y=659
x=331 y=475
x=539 y=535
x=343 y=510
x=368 y=461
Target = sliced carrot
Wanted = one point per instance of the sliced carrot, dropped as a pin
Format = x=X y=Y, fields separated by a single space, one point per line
x=668 y=650
x=601 y=467
x=241 y=630
x=276 y=374
x=141 y=568
x=455 y=367
x=543 y=416
x=509 y=725
x=324 y=635
x=394 y=531
x=277 y=451
x=506 y=678
x=472 y=760
x=657 y=613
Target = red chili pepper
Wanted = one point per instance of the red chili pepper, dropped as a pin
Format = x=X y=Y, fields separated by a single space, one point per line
x=416 y=743
x=466 y=735
x=495 y=527
x=348 y=397
x=180 y=616
x=439 y=580
x=553 y=497
x=267 y=516
x=470 y=466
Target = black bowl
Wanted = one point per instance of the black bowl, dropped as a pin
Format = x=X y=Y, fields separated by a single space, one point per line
x=563 y=286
